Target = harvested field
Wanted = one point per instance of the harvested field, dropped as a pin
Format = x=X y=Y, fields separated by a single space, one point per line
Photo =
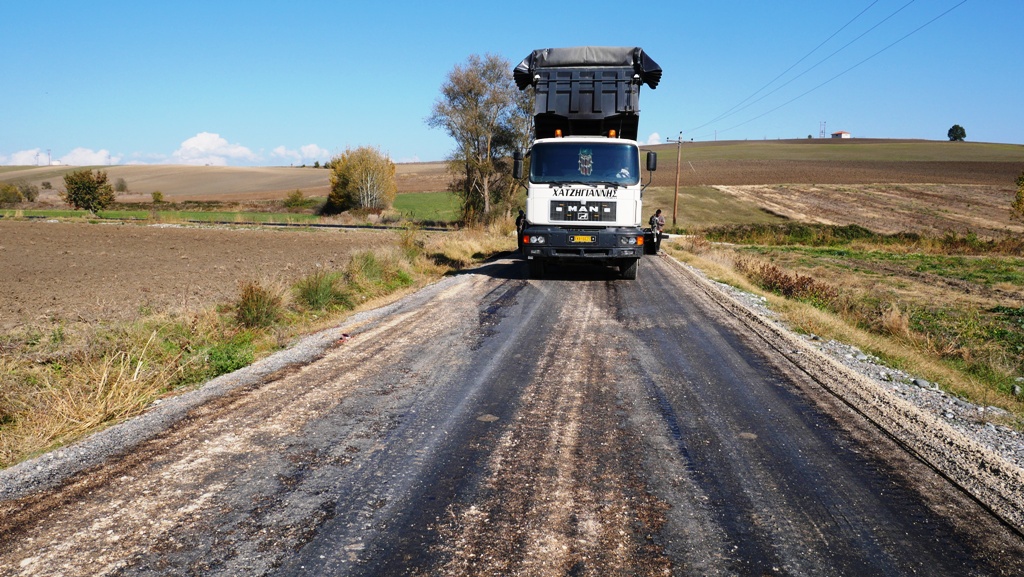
x=222 y=183
x=929 y=209
x=74 y=272
x=737 y=172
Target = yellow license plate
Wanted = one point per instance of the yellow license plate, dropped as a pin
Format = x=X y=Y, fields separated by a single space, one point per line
x=581 y=238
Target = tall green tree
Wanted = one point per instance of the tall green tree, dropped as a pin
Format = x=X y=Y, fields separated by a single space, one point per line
x=87 y=190
x=489 y=118
x=361 y=178
x=956 y=133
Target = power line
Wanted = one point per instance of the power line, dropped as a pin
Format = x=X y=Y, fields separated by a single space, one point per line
x=844 y=47
x=909 y=34
x=843 y=27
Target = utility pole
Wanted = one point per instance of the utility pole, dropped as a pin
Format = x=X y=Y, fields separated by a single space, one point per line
x=679 y=161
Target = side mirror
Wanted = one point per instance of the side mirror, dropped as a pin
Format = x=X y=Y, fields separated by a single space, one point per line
x=652 y=161
x=517 y=165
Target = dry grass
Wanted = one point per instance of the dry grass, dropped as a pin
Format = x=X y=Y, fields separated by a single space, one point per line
x=956 y=350
x=59 y=392
x=59 y=382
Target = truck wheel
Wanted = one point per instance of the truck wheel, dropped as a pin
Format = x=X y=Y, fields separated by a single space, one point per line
x=536 y=268
x=628 y=269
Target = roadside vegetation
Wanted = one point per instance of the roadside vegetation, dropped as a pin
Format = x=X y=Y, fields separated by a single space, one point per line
x=59 y=382
x=948 y=308
x=427 y=208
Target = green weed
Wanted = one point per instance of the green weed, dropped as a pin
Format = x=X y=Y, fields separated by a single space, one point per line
x=320 y=290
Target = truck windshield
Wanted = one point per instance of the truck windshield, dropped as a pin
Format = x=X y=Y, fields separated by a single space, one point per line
x=584 y=162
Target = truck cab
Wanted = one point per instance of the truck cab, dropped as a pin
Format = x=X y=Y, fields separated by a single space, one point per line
x=584 y=203
x=584 y=189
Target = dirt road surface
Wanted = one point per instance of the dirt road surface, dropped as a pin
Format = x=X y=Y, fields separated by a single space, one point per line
x=493 y=425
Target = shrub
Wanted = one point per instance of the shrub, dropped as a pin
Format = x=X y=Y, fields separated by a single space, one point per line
x=1017 y=208
x=258 y=306
x=795 y=286
x=120 y=185
x=158 y=197
x=296 y=201
x=374 y=274
x=88 y=191
x=9 y=194
x=29 y=192
x=319 y=291
x=46 y=185
x=361 y=178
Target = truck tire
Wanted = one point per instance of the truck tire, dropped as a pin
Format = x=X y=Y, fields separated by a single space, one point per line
x=536 y=268
x=628 y=268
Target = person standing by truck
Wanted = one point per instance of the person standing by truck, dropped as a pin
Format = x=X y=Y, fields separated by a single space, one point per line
x=657 y=223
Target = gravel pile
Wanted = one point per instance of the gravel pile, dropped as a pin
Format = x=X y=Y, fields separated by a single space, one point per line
x=979 y=423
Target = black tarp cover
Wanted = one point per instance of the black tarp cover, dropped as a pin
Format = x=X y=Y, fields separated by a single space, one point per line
x=588 y=57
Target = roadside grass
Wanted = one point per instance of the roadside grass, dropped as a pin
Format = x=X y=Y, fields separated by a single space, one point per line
x=61 y=382
x=242 y=217
x=945 y=308
x=436 y=208
x=428 y=207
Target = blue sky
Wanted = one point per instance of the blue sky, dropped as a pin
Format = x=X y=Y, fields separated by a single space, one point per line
x=272 y=83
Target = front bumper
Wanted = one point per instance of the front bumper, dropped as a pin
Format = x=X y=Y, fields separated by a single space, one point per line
x=583 y=244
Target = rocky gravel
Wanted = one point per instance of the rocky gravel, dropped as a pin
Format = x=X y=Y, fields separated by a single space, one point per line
x=983 y=424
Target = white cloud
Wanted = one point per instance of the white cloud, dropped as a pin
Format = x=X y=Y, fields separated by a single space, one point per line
x=25 y=158
x=209 y=148
x=312 y=151
x=654 y=138
x=85 y=156
x=309 y=152
x=282 y=152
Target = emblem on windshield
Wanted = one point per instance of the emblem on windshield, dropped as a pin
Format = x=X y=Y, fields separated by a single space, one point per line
x=586 y=161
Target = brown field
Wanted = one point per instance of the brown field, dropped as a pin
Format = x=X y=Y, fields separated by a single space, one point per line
x=73 y=271
x=223 y=183
x=929 y=209
x=741 y=171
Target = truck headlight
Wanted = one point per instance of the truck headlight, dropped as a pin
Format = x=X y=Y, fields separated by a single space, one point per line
x=536 y=239
x=627 y=240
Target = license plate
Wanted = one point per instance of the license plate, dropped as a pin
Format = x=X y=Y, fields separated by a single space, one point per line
x=581 y=238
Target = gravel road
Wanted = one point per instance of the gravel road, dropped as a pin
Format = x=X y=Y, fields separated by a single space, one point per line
x=493 y=425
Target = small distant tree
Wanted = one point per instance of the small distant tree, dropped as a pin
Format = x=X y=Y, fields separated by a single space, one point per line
x=120 y=185
x=1017 y=208
x=46 y=185
x=87 y=190
x=957 y=133
x=158 y=197
x=363 y=178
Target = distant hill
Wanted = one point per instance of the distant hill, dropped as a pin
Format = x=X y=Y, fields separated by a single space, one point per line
x=824 y=161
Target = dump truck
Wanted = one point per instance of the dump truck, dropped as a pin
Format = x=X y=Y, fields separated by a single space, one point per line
x=584 y=189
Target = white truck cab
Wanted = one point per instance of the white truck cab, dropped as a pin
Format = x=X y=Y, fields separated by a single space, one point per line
x=584 y=189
